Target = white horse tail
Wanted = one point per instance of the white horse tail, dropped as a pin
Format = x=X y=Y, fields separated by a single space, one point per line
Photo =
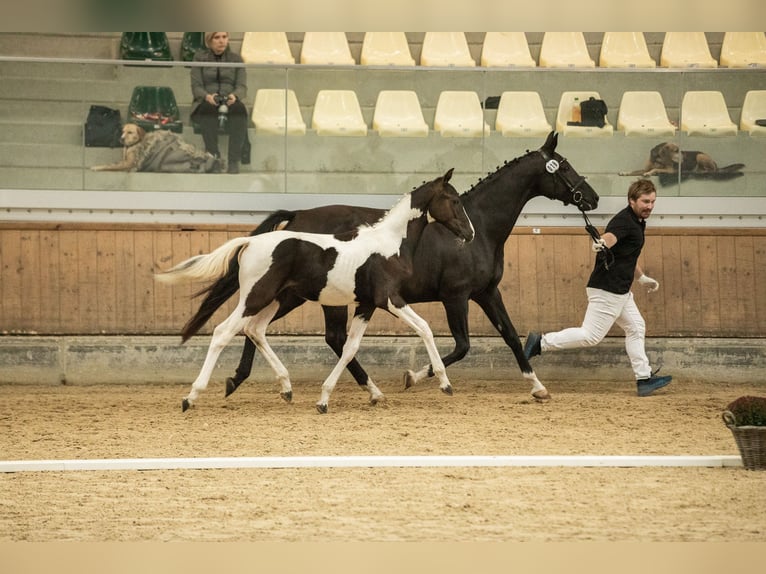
x=203 y=267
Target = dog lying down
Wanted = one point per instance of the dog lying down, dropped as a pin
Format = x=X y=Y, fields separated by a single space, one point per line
x=667 y=158
x=159 y=151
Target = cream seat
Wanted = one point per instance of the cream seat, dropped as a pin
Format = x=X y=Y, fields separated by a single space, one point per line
x=625 y=50
x=266 y=48
x=705 y=113
x=337 y=113
x=644 y=114
x=565 y=50
x=686 y=50
x=398 y=114
x=329 y=48
x=564 y=115
x=521 y=114
x=459 y=114
x=276 y=111
x=386 y=49
x=753 y=108
x=743 y=50
x=504 y=49
x=445 y=49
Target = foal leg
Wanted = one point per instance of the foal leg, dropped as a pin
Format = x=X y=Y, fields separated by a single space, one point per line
x=493 y=307
x=420 y=326
x=256 y=331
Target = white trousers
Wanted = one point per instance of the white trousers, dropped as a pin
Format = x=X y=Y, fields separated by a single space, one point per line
x=604 y=310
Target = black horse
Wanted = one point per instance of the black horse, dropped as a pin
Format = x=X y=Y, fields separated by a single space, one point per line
x=443 y=270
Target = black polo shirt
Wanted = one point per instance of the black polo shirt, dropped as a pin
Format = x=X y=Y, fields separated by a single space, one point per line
x=628 y=228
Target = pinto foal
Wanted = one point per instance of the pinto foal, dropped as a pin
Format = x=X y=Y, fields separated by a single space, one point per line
x=365 y=267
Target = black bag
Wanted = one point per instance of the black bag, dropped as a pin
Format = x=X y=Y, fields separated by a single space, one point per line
x=593 y=112
x=103 y=127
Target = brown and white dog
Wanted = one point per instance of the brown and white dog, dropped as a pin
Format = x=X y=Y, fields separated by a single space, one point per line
x=132 y=138
x=668 y=158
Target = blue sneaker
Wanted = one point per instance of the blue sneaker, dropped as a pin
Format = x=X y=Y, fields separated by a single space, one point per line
x=647 y=386
x=532 y=345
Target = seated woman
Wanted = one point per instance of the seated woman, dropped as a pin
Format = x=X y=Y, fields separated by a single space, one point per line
x=212 y=87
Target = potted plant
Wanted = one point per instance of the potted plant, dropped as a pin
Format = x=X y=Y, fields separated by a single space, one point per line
x=746 y=419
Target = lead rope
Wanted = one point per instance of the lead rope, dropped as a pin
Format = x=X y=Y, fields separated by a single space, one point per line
x=595 y=235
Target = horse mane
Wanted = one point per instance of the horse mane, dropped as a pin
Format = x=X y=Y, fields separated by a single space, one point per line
x=496 y=174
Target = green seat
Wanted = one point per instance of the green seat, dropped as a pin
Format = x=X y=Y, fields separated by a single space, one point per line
x=145 y=46
x=190 y=44
x=155 y=107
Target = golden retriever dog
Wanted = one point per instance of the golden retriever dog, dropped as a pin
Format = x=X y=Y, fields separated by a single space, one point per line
x=668 y=158
x=132 y=136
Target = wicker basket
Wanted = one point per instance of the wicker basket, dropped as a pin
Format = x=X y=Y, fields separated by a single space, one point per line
x=751 y=442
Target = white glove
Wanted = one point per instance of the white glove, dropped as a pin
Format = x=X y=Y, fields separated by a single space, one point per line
x=598 y=245
x=651 y=285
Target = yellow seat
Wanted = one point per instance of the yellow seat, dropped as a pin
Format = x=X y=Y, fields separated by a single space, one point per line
x=564 y=115
x=266 y=48
x=398 y=114
x=625 y=50
x=565 y=50
x=704 y=113
x=743 y=50
x=504 y=49
x=644 y=114
x=326 y=48
x=521 y=114
x=445 y=49
x=753 y=108
x=276 y=111
x=686 y=50
x=337 y=113
x=459 y=114
x=386 y=49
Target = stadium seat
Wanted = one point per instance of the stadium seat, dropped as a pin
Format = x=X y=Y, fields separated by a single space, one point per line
x=753 y=109
x=565 y=50
x=564 y=115
x=446 y=49
x=190 y=44
x=398 y=114
x=686 y=50
x=337 y=113
x=459 y=114
x=145 y=46
x=521 y=114
x=386 y=49
x=276 y=111
x=326 y=48
x=266 y=48
x=644 y=114
x=743 y=50
x=625 y=50
x=704 y=113
x=154 y=108
x=506 y=49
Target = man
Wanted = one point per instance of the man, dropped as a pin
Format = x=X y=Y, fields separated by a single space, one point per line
x=610 y=300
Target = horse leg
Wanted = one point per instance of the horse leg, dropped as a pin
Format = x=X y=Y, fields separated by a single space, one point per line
x=335 y=319
x=457 y=319
x=355 y=334
x=222 y=335
x=492 y=305
x=256 y=330
x=420 y=326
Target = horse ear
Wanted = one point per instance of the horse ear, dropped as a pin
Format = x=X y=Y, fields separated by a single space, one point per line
x=447 y=176
x=551 y=142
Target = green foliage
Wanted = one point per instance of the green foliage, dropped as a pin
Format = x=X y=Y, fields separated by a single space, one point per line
x=749 y=411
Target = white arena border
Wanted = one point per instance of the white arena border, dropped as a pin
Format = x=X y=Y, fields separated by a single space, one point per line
x=617 y=461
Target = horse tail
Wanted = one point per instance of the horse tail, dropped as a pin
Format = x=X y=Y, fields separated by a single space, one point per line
x=203 y=267
x=226 y=286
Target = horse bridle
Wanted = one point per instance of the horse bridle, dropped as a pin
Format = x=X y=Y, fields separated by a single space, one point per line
x=553 y=167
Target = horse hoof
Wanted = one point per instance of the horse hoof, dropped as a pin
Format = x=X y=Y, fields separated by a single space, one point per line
x=409 y=379
x=542 y=395
x=185 y=404
x=287 y=397
x=231 y=386
x=375 y=400
x=447 y=390
x=321 y=409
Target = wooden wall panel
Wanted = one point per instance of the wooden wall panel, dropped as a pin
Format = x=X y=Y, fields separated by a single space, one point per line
x=93 y=279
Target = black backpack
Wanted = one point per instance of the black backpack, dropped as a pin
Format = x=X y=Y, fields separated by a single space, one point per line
x=593 y=112
x=103 y=127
